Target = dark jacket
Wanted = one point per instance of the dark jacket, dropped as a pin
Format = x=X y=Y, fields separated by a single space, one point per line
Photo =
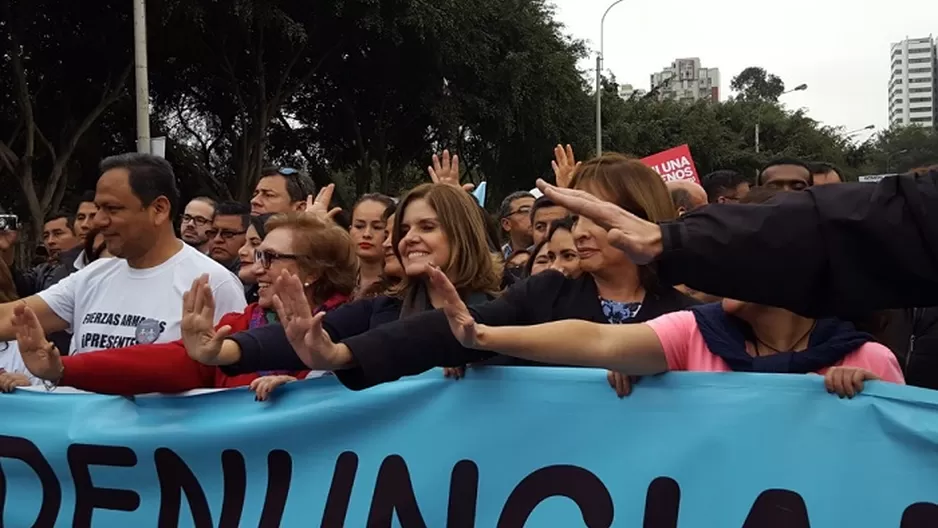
x=65 y=266
x=263 y=350
x=418 y=343
x=912 y=335
x=830 y=250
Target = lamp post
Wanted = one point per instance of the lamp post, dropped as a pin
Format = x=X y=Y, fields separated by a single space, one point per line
x=141 y=85
x=599 y=91
x=891 y=154
x=799 y=88
x=857 y=131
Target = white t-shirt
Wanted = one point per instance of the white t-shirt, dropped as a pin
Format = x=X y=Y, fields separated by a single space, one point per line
x=108 y=304
x=12 y=361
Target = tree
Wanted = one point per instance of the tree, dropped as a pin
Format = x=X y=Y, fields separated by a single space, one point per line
x=755 y=84
x=63 y=65
x=901 y=149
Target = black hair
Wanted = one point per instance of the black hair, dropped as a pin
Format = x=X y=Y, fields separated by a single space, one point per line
x=537 y=249
x=505 y=209
x=787 y=161
x=233 y=208
x=565 y=223
x=87 y=196
x=69 y=219
x=149 y=177
x=260 y=224
x=93 y=253
x=719 y=182
x=389 y=210
x=540 y=203
x=822 y=167
x=299 y=184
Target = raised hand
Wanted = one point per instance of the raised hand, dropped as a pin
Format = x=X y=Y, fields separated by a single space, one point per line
x=446 y=171
x=564 y=165
x=39 y=355
x=265 y=385
x=202 y=340
x=637 y=238
x=304 y=330
x=847 y=382
x=319 y=205
x=461 y=322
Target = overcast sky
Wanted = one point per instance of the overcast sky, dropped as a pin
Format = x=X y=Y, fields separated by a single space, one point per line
x=839 y=48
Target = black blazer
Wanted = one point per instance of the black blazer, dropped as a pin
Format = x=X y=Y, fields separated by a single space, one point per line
x=416 y=344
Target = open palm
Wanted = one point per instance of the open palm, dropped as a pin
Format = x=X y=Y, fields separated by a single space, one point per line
x=39 y=356
x=304 y=331
x=202 y=340
x=461 y=322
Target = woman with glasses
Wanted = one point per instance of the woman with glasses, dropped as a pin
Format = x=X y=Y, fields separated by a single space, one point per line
x=319 y=254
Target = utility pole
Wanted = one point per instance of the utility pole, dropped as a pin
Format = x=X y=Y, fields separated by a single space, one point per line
x=141 y=80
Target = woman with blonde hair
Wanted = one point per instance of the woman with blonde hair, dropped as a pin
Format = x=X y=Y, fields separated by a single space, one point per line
x=318 y=254
x=611 y=290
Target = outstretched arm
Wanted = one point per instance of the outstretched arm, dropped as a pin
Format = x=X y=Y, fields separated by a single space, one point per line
x=631 y=349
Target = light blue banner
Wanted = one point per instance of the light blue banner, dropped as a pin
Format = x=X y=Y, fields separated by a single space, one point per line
x=504 y=448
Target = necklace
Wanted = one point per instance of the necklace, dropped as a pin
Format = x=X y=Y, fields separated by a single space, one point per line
x=777 y=351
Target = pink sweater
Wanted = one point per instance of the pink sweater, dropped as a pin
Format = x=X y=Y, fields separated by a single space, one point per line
x=685 y=349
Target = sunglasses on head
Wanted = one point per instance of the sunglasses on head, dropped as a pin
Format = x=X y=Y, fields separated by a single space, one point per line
x=287 y=171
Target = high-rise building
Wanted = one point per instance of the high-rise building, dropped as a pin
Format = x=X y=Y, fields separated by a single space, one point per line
x=913 y=83
x=686 y=80
x=627 y=91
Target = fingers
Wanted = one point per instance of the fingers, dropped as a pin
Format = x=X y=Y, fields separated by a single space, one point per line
x=10 y=381
x=441 y=284
x=847 y=382
x=568 y=152
x=221 y=334
x=300 y=305
x=334 y=211
x=468 y=187
x=446 y=159
x=435 y=169
x=325 y=195
x=620 y=383
x=311 y=201
x=454 y=372
x=208 y=302
x=454 y=168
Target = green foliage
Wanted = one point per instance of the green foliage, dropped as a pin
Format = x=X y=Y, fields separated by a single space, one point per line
x=755 y=84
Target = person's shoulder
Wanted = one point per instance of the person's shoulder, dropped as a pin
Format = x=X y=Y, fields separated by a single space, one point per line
x=873 y=351
x=198 y=263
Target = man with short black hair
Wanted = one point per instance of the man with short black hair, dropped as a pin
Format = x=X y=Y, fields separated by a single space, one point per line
x=543 y=213
x=136 y=297
x=825 y=174
x=281 y=190
x=786 y=174
x=227 y=233
x=725 y=186
x=515 y=218
x=58 y=234
x=84 y=214
x=196 y=222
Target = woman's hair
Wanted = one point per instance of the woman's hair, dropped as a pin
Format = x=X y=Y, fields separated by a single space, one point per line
x=564 y=224
x=386 y=201
x=472 y=266
x=7 y=285
x=633 y=186
x=260 y=223
x=534 y=252
x=628 y=183
x=324 y=250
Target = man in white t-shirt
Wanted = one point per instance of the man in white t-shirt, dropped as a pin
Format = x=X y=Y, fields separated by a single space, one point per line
x=135 y=298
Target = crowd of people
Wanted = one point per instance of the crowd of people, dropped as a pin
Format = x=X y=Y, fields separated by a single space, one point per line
x=609 y=268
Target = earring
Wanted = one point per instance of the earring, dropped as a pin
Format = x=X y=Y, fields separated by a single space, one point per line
x=307 y=285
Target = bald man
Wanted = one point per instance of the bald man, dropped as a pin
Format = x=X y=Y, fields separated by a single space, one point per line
x=686 y=195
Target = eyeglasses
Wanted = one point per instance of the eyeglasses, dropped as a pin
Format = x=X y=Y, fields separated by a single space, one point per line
x=225 y=234
x=198 y=220
x=525 y=210
x=266 y=257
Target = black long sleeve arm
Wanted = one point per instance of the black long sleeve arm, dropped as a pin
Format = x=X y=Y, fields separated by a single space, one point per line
x=831 y=250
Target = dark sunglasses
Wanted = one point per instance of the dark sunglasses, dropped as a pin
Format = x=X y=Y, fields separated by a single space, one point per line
x=266 y=257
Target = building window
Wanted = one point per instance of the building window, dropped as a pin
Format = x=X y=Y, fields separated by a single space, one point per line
x=925 y=60
x=919 y=81
x=919 y=90
x=920 y=100
x=920 y=70
x=920 y=120
x=897 y=91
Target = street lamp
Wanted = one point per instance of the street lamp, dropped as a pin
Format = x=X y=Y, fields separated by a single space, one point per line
x=599 y=91
x=857 y=131
x=891 y=154
x=799 y=88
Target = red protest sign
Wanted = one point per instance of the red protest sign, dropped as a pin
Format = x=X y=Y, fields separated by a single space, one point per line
x=673 y=164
